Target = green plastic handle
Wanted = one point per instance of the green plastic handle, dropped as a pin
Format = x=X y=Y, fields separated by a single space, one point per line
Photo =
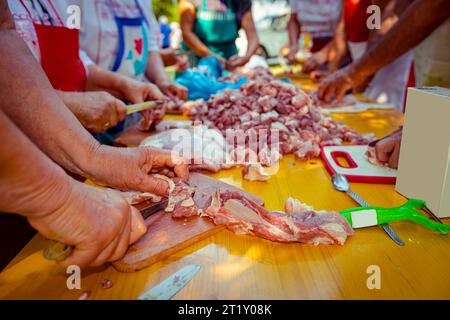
x=405 y=212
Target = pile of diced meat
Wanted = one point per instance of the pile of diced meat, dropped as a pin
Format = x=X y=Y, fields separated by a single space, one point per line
x=274 y=106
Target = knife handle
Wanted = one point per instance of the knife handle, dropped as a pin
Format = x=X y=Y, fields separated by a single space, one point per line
x=57 y=251
x=132 y=108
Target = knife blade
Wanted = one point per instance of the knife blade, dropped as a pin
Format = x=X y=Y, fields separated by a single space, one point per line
x=58 y=251
x=386 y=227
x=170 y=286
x=147 y=212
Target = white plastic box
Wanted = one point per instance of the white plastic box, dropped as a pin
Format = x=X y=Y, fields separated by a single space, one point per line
x=424 y=165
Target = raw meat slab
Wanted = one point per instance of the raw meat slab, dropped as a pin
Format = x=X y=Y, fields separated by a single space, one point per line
x=166 y=235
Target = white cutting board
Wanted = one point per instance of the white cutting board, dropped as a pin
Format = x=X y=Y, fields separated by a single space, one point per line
x=359 y=169
x=357 y=107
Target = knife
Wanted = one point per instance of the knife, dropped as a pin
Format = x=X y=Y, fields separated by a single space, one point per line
x=170 y=286
x=132 y=108
x=58 y=251
x=369 y=216
x=387 y=228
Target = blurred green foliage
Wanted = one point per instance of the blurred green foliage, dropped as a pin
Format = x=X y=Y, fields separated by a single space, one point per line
x=168 y=8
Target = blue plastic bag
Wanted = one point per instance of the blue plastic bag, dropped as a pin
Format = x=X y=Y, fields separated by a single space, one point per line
x=202 y=82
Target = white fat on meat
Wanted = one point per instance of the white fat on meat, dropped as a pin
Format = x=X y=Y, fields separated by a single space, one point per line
x=255 y=172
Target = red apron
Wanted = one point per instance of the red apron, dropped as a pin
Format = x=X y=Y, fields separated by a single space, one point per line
x=60 y=58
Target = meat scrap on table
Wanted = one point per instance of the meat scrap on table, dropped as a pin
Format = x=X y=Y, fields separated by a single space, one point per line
x=300 y=223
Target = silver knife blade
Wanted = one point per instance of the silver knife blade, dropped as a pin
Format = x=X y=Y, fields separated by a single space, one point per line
x=387 y=228
x=170 y=286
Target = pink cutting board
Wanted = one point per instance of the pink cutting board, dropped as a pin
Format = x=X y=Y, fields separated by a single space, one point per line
x=359 y=168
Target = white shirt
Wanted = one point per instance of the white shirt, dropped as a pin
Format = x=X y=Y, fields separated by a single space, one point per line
x=99 y=32
x=317 y=17
x=25 y=28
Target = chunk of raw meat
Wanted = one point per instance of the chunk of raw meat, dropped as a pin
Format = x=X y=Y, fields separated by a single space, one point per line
x=135 y=197
x=347 y=100
x=300 y=223
x=151 y=117
x=180 y=202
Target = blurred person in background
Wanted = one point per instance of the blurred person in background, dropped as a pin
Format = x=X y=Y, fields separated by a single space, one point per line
x=121 y=36
x=429 y=32
x=211 y=28
x=319 y=18
x=92 y=93
x=353 y=34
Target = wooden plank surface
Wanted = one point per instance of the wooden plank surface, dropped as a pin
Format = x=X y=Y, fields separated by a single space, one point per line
x=244 y=267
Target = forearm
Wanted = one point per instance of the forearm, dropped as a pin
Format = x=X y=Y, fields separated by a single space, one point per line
x=412 y=27
x=187 y=21
x=337 y=47
x=252 y=36
x=100 y=79
x=31 y=103
x=30 y=183
x=293 y=31
x=154 y=70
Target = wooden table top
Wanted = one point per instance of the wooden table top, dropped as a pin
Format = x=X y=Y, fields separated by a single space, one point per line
x=245 y=267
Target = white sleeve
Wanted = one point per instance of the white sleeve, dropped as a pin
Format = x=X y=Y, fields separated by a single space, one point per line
x=294 y=4
x=153 y=25
x=85 y=59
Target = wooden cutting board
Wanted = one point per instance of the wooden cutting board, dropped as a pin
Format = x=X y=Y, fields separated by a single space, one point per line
x=166 y=235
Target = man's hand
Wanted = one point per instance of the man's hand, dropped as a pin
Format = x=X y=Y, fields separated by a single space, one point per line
x=100 y=224
x=97 y=111
x=387 y=149
x=338 y=83
x=171 y=58
x=236 y=61
x=172 y=90
x=317 y=75
x=292 y=55
x=130 y=168
x=182 y=62
x=315 y=61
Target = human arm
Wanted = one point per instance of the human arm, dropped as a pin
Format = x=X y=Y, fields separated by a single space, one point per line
x=294 y=28
x=31 y=103
x=171 y=58
x=99 y=224
x=253 y=42
x=96 y=111
x=121 y=86
x=192 y=41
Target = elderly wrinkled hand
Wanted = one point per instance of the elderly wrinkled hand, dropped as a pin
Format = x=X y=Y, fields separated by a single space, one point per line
x=137 y=91
x=130 y=168
x=100 y=224
x=96 y=111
